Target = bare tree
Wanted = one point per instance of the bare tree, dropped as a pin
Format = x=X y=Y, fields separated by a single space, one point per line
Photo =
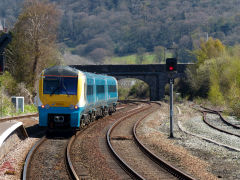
x=34 y=36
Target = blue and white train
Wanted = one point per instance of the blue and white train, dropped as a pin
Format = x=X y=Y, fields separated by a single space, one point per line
x=72 y=98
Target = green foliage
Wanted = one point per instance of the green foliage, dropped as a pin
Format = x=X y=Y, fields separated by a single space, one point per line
x=215 y=94
x=6 y=106
x=159 y=54
x=210 y=49
x=216 y=75
x=33 y=45
x=139 y=90
x=8 y=83
x=123 y=93
x=28 y=109
x=202 y=81
x=148 y=58
x=127 y=25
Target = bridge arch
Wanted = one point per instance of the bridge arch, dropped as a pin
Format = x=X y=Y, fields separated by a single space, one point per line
x=128 y=83
x=155 y=82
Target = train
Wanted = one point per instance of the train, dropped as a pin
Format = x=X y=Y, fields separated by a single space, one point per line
x=70 y=98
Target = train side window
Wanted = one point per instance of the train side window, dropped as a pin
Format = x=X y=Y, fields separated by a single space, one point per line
x=100 y=89
x=112 y=88
x=89 y=90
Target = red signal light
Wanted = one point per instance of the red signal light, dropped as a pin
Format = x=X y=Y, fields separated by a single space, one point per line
x=171 y=68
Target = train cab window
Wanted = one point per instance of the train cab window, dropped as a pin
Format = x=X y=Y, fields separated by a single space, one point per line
x=112 y=88
x=100 y=89
x=60 y=85
x=89 y=90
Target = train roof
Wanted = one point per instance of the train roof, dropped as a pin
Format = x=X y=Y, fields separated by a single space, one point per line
x=69 y=71
x=61 y=71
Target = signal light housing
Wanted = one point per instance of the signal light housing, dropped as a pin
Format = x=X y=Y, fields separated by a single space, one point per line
x=171 y=64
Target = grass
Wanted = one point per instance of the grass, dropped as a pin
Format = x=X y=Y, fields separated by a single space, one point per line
x=11 y=111
x=148 y=58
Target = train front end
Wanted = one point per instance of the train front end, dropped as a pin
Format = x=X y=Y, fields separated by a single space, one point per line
x=59 y=97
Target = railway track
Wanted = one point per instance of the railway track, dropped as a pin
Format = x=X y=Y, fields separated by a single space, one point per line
x=40 y=154
x=219 y=122
x=49 y=159
x=139 y=164
x=18 y=117
x=81 y=170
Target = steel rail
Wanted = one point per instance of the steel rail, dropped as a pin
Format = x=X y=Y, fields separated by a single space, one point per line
x=162 y=163
x=69 y=164
x=29 y=157
x=214 y=127
x=208 y=110
x=18 y=117
x=122 y=163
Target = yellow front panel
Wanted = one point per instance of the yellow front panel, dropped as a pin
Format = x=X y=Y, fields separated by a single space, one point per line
x=60 y=100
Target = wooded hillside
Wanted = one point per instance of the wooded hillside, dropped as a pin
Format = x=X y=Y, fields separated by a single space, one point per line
x=98 y=28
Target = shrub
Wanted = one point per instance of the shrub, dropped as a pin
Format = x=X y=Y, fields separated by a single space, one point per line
x=139 y=90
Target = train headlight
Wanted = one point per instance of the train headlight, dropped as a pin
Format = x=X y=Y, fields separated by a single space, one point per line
x=74 y=107
x=42 y=106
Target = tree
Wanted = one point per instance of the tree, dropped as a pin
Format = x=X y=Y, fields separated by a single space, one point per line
x=210 y=49
x=33 y=47
x=140 y=55
x=159 y=54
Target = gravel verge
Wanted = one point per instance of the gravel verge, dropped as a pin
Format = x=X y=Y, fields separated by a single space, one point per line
x=196 y=125
x=196 y=156
x=11 y=165
x=154 y=133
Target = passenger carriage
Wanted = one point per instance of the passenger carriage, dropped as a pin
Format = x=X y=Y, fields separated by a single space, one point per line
x=71 y=98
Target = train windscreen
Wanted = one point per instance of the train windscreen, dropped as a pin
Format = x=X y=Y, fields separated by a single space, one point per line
x=60 y=85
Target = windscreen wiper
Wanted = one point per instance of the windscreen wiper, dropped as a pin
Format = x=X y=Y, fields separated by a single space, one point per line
x=65 y=89
x=55 y=90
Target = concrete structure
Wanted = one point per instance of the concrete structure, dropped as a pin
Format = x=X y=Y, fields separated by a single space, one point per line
x=153 y=74
x=11 y=132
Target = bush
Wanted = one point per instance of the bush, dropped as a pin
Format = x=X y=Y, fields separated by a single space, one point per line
x=6 y=106
x=8 y=84
x=139 y=90
x=122 y=93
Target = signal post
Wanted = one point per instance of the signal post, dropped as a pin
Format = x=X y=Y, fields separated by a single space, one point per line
x=171 y=68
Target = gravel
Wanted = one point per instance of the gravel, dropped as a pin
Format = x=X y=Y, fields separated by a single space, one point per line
x=196 y=125
x=196 y=156
x=232 y=120
x=11 y=165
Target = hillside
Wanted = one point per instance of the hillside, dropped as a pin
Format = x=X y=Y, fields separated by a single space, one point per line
x=100 y=28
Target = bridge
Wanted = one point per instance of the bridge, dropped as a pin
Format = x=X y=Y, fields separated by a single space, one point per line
x=152 y=74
